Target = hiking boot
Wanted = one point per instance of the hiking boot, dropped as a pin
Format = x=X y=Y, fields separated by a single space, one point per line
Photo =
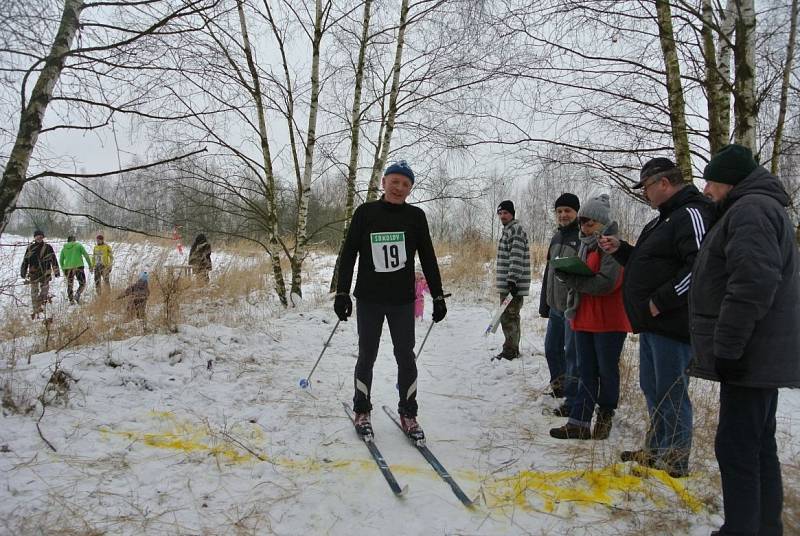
x=412 y=428
x=571 y=431
x=602 y=424
x=363 y=425
x=562 y=411
x=641 y=456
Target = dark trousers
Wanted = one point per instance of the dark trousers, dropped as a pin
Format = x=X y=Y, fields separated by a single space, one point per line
x=752 y=490
x=369 y=317
x=509 y=320
x=80 y=275
x=598 y=365
x=562 y=358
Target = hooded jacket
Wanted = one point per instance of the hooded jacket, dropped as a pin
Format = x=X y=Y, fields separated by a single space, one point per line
x=744 y=303
x=72 y=255
x=659 y=267
x=564 y=243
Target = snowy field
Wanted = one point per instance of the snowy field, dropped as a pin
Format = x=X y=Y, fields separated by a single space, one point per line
x=206 y=432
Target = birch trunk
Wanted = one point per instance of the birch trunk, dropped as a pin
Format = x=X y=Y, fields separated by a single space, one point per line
x=744 y=104
x=372 y=192
x=32 y=114
x=677 y=105
x=714 y=100
x=269 y=182
x=787 y=72
x=355 y=133
x=727 y=18
x=300 y=246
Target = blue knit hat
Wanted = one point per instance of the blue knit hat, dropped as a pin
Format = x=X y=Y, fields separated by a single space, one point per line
x=401 y=167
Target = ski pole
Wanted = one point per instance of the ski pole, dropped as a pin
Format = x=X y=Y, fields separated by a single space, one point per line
x=305 y=382
x=421 y=346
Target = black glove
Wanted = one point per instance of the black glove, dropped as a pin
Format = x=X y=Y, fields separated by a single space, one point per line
x=544 y=311
x=512 y=288
x=730 y=369
x=343 y=306
x=439 y=309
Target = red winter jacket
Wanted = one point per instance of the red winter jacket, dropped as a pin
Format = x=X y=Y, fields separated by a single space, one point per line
x=601 y=313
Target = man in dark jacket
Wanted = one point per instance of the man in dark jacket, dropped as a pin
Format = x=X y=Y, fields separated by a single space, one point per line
x=744 y=309
x=39 y=265
x=658 y=273
x=386 y=235
x=559 y=340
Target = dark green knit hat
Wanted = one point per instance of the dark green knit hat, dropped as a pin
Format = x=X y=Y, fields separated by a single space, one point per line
x=730 y=165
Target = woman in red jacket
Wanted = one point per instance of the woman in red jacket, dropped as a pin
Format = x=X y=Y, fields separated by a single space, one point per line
x=597 y=316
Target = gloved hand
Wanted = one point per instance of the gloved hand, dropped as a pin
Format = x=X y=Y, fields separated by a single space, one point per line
x=439 y=309
x=512 y=288
x=343 y=306
x=544 y=311
x=730 y=369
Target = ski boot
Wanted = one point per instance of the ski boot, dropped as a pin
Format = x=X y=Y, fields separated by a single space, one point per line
x=412 y=429
x=363 y=426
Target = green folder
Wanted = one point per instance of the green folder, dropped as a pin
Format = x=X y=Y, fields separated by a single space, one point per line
x=571 y=265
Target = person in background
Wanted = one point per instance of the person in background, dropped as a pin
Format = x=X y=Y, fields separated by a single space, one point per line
x=103 y=260
x=594 y=306
x=744 y=318
x=39 y=266
x=559 y=340
x=513 y=276
x=385 y=235
x=137 y=294
x=420 y=288
x=658 y=274
x=200 y=258
x=71 y=259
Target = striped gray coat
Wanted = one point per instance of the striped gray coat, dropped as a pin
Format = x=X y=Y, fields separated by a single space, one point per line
x=513 y=259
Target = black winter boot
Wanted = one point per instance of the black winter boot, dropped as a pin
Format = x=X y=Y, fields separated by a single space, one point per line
x=602 y=423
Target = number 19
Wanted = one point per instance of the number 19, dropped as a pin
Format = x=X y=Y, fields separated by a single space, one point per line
x=393 y=252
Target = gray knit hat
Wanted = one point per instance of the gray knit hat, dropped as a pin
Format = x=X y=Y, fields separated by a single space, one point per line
x=597 y=208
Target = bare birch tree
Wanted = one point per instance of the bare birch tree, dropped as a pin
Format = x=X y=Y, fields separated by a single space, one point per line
x=784 y=98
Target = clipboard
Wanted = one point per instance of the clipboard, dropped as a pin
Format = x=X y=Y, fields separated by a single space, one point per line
x=571 y=265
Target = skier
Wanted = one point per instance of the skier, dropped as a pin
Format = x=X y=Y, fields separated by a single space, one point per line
x=71 y=259
x=103 y=259
x=385 y=235
x=200 y=257
x=39 y=265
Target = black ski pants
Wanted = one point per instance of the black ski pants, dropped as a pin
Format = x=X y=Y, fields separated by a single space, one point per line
x=752 y=490
x=369 y=318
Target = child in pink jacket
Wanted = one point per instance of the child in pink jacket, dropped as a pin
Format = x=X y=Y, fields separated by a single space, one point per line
x=420 y=288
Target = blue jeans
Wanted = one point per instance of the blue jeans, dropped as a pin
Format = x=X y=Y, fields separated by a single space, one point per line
x=562 y=359
x=662 y=375
x=598 y=365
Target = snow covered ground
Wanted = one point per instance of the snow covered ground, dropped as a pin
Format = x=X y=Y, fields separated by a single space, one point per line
x=206 y=431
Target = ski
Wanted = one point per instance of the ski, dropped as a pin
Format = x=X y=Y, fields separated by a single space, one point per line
x=434 y=462
x=379 y=459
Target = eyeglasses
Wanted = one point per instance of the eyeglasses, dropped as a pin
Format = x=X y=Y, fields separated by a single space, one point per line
x=647 y=185
x=585 y=221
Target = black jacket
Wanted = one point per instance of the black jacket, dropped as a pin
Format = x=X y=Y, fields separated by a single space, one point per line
x=564 y=243
x=745 y=297
x=39 y=261
x=394 y=283
x=659 y=267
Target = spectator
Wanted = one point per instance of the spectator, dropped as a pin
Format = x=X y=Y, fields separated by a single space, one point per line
x=200 y=258
x=594 y=307
x=744 y=307
x=559 y=340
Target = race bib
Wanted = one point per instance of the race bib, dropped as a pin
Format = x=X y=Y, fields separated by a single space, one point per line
x=388 y=251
